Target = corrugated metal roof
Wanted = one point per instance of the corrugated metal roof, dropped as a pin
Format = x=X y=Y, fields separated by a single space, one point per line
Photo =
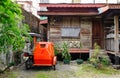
x=72 y=5
x=76 y=9
x=114 y=6
x=68 y=13
x=43 y=21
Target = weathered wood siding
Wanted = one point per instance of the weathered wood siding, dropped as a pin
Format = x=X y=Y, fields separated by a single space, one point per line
x=110 y=44
x=81 y=31
x=31 y=20
x=86 y=32
x=97 y=32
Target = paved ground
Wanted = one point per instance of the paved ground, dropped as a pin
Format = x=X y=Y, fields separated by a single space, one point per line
x=60 y=68
x=62 y=71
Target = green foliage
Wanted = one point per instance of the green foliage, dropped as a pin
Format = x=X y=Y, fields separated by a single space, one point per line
x=96 y=60
x=11 y=29
x=42 y=76
x=94 y=57
x=56 y=47
x=96 y=51
x=65 y=51
x=79 y=61
x=80 y=46
x=17 y=57
x=105 y=61
x=8 y=74
x=93 y=71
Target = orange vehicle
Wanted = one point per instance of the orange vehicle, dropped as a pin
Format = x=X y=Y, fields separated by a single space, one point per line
x=43 y=55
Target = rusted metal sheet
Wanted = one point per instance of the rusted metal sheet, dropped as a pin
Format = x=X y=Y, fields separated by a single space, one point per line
x=114 y=6
x=48 y=13
x=43 y=21
x=72 y=5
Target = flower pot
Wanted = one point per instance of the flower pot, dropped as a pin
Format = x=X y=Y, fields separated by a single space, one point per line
x=79 y=61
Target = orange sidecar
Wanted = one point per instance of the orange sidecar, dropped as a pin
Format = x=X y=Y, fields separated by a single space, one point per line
x=43 y=55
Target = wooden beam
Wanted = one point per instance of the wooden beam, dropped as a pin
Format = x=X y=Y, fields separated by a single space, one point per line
x=116 y=39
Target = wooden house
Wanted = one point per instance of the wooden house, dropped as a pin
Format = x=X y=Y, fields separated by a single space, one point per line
x=84 y=24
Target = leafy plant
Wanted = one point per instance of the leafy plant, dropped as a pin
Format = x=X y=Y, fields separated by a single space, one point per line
x=12 y=31
x=79 y=61
x=97 y=60
x=105 y=61
x=80 y=45
x=56 y=47
x=65 y=51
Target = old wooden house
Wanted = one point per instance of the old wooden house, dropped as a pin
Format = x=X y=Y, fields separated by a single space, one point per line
x=84 y=24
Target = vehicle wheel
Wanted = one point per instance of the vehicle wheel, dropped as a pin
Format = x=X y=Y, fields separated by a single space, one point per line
x=54 y=67
x=28 y=64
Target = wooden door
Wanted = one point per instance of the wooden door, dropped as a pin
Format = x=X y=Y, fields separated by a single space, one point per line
x=97 y=33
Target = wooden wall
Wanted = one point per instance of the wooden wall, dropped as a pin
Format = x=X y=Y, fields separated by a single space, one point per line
x=86 y=32
x=31 y=20
x=81 y=31
x=34 y=24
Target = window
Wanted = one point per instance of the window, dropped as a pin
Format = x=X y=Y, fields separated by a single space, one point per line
x=70 y=32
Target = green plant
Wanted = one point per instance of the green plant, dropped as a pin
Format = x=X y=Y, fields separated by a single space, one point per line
x=96 y=51
x=96 y=60
x=8 y=74
x=80 y=45
x=42 y=76
x=56 y=49
x=65 y=51
x=79 y=61
x=105 y=61
x=12 y=31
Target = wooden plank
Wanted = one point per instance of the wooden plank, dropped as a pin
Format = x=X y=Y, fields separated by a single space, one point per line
x=86 y=32
x=110 y=52
x=116 y=39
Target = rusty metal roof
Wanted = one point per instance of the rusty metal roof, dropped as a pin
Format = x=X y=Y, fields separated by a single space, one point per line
x=43 y=21
x=114 y=6
x=61 y=5
x=68 y=13
x=77 y=9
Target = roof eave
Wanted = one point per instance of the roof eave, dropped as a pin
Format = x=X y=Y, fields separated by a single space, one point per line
x=67 y=13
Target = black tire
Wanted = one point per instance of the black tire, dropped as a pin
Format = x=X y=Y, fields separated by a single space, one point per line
x=54 y=67
x=28 y=64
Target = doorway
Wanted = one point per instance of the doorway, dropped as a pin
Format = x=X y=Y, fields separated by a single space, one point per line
x=97 y=33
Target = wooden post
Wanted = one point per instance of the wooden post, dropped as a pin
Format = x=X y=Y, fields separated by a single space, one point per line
x=116 y=39
x=35 y=40
x=48 y=29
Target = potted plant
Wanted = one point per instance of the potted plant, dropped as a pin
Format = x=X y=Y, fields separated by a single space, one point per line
x=79 y=61
x=65 y=53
